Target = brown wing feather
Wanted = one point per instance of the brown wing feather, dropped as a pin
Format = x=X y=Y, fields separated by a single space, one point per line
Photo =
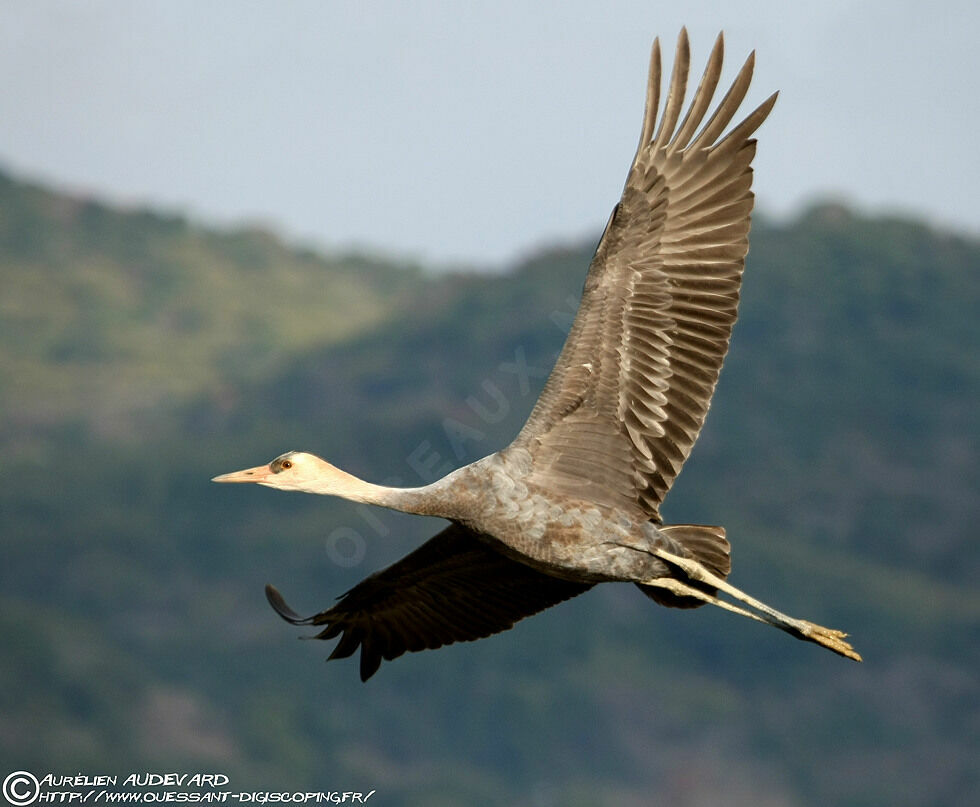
x=631 y=389
x=453 y=588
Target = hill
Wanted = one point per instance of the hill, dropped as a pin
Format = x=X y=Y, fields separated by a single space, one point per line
x=840 y=453
x=106 y=313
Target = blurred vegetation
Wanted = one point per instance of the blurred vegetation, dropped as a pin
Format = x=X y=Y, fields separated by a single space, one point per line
x=140 y=355
x=104 y=315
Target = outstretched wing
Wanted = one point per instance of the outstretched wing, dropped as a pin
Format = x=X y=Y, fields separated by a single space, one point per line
x=630 y=391
x=453 y=588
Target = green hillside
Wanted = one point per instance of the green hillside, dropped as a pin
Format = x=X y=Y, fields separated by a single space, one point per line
x=841 y=454
x=106 y=313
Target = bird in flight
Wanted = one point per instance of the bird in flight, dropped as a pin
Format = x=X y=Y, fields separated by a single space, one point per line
x=575 y=499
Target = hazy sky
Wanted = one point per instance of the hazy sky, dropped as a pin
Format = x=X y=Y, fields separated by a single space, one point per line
x=472 y=131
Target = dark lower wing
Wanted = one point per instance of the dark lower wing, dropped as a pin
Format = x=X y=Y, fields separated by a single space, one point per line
x=453 y=588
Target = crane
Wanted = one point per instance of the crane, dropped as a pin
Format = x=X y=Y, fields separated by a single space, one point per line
x=575 y=499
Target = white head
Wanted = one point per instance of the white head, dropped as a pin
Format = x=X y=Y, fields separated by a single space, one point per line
x=294 y=470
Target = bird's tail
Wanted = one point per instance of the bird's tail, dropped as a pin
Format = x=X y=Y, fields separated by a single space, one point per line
x=705 y=544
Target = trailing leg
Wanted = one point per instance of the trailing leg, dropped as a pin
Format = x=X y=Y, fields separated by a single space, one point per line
x=800 y=628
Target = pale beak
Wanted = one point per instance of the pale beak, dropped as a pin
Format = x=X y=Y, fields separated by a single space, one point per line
x=258 y=474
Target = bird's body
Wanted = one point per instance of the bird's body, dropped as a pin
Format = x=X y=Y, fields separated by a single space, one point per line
x=565 y=536
x=575 y=499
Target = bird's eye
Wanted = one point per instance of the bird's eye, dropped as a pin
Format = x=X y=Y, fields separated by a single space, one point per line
x=285 y=465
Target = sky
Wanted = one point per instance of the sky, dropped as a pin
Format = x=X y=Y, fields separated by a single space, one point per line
x=472 y=133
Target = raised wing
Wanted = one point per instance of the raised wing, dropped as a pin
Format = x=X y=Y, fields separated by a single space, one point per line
x=630 y=391
x=453 y=588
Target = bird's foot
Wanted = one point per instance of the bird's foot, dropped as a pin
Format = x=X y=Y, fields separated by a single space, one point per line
x=829 y=638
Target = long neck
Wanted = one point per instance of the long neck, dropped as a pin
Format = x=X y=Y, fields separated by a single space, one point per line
x=423 y=500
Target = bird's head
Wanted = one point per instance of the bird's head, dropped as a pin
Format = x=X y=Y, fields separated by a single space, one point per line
x=294 y=470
